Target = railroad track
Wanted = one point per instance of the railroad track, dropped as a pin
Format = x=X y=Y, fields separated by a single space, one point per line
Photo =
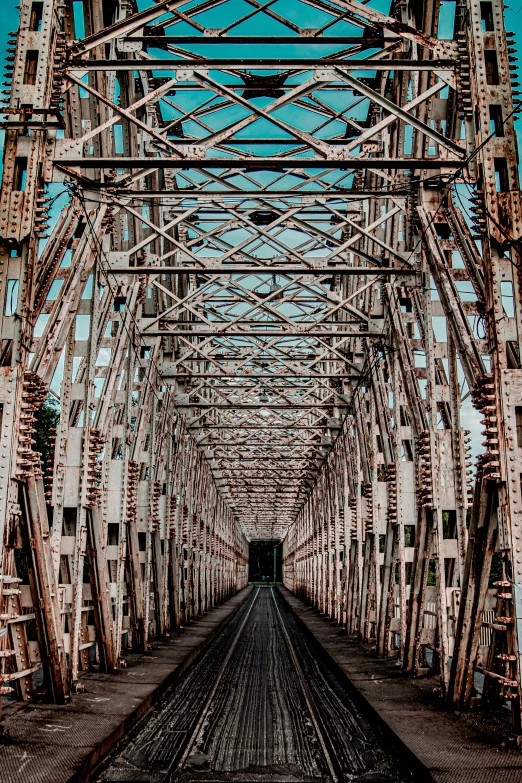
x=328 y=752
x=180 y=762
x=258 y=706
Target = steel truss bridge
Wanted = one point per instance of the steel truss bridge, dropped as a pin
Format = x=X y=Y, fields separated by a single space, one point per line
x=287 y=264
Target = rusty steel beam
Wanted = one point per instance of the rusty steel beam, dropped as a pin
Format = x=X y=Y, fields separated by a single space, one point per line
x=69 y=164
x=353 y=64
x=261 y=270
x=331 y=278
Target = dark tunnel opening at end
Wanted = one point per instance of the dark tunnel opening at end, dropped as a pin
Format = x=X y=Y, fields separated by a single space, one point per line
x=265 y=562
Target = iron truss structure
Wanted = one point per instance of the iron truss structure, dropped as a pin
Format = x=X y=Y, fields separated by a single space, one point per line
x=289 y=259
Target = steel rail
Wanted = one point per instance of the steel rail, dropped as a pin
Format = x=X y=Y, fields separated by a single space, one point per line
x=180 y=761
x=330 y=758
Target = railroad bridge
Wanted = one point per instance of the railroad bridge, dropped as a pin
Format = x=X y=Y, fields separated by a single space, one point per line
x=260 y=282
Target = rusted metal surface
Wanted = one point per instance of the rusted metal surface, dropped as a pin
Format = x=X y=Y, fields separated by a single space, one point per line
x=266 y=308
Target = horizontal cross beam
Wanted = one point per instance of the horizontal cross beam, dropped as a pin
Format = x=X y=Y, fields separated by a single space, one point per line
x=281 y=445
x=253 y=333
x=232 y=63
x=262 y=270
x=258 y=195
x=259 y=163
x=256 y=406
x=296 y=494
x=260 y=426
x=259 y=376
x=216 y=37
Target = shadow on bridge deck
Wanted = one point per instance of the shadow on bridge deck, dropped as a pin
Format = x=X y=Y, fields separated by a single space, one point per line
x=62 y=743
x=454 y=747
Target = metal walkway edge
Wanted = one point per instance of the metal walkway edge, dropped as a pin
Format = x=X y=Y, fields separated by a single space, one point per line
x=63 y=743
x=451 y=747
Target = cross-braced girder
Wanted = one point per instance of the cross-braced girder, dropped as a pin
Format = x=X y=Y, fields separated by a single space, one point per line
x=286 y=263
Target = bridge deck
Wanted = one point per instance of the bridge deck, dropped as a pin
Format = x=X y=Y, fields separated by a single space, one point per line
x=59 y=744
x=277 y=695
x=259 y=706
x=454 y=747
